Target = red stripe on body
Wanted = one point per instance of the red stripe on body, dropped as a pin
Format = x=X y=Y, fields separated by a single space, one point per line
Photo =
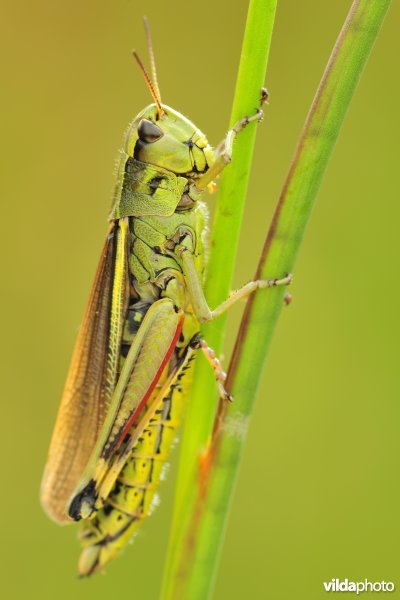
x=153 y=384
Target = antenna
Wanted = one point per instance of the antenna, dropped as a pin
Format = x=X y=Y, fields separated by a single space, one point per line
x=146 y=76
x=152 y=59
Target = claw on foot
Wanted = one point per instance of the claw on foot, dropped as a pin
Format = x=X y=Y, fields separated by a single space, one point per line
x=264 y=96
x=287 y=280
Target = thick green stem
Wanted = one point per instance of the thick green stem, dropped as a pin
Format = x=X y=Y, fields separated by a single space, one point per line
x=202 y=524
x=182 y=578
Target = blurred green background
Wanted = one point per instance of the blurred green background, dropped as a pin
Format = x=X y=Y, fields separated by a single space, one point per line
x=319 y=491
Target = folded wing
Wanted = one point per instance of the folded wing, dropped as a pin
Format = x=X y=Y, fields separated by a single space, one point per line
x=91 y=378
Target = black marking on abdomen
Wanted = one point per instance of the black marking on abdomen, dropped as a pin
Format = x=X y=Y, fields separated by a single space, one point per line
x=112 y=538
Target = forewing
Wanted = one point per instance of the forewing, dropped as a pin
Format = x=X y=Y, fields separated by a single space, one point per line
x=148 y=356
x=91 y=377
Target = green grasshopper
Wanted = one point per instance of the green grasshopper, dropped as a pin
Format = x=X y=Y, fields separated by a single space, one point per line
x=130 y=371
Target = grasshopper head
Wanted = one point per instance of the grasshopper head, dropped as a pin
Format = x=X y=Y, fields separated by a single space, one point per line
x=163 y=155
x=168 y=140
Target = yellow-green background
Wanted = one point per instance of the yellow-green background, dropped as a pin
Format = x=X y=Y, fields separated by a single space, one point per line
x=319 y=490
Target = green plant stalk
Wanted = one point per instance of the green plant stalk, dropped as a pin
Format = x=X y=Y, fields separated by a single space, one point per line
x=226 y=228
x=204 y=529
x=224 y=243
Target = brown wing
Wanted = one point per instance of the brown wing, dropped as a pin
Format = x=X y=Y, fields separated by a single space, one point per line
x=91 y=377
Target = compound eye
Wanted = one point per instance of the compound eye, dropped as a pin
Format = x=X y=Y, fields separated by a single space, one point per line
x=149 y=132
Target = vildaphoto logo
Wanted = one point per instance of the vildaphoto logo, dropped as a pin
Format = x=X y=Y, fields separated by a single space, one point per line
x=336 y=585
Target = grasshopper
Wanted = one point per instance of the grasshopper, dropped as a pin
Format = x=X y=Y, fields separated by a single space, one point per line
x=130 y=370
